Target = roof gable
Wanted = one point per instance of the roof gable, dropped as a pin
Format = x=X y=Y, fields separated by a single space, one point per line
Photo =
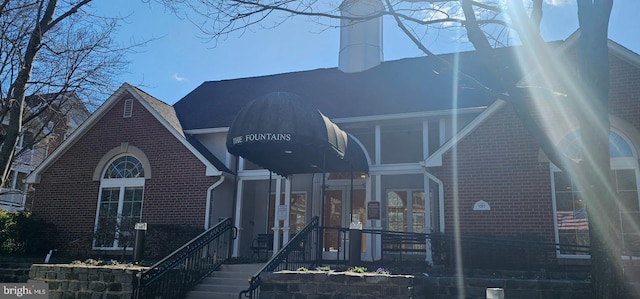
x=163 y=112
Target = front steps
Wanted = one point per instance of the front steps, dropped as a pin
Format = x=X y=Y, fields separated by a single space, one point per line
x=225 y=283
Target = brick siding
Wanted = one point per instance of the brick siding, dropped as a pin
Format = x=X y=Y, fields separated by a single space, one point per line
x=175 y=194
x=498 y=163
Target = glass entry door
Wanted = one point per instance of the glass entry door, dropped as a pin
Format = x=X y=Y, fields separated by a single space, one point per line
x=337 y=212
x=406 y=211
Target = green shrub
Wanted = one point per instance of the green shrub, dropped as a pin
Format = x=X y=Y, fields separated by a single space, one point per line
x=22 y=235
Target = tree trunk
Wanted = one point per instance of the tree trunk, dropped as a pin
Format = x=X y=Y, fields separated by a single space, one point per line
x=595 y=180
x=19 y=88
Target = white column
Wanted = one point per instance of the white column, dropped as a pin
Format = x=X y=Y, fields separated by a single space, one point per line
x=425 y=140
x=276 y=220
x=370 y=243
x=237 y=216
x=377 y=145
x=427 y=217
x=287 y=204
x=377 y=224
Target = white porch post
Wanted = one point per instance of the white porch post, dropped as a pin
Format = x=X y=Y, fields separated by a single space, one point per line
x=276 y=217
x=287 y=204
x=237 y=216
x=370 y=243
x=427 y=218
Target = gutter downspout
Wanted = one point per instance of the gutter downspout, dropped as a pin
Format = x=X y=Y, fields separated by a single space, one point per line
x=207 y=215
x=440 y=197
x=429 y=257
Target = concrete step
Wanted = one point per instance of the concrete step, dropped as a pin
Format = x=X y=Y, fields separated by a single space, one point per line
x=225 y=283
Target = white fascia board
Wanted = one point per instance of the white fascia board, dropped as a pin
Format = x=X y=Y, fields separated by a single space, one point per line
x=424 y=114
x=624 y=53
x=257 y=174
x=207 y=131
x=400 y=168
x=435 y=160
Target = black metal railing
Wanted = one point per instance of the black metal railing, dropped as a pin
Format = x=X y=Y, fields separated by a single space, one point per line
x=516 y=252
x=300 y=251
x=395 y=248
x=179 y=272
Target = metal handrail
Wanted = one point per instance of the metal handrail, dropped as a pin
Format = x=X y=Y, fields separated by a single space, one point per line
x=298 y=252
x=176 y=274
x=531 y=254
x=507 y=252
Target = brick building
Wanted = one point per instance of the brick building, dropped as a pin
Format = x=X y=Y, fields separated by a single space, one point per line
x=138 y=159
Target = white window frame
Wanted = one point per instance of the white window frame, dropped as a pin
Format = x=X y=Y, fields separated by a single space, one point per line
x=122 y=183
x=622 y=163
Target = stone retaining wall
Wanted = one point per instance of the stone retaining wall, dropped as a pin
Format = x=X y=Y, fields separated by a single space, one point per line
x=14 y=272
x=86 y=281
x=317 y=284
x=446 y=288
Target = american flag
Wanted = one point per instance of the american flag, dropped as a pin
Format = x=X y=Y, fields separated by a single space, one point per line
x=573 y=220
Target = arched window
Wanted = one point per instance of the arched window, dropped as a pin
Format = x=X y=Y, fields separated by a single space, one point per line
x=571 y=218
x=119 y=202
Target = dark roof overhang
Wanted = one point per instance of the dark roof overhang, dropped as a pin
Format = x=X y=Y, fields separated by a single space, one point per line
x=284 y=133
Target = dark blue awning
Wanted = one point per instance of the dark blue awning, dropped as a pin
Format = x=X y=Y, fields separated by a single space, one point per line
x=284 y=133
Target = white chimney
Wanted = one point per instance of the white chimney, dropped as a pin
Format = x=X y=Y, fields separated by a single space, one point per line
x=360 y=41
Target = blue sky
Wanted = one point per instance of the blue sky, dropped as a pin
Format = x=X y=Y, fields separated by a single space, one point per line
x=179 y=58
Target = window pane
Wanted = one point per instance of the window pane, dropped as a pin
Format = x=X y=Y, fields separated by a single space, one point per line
x=397 y=207
x=124 y=167
x=332 y=218
x=573 y=238
x=418 y=211
x=20 y=181
x=297 y=217
x=564 y=201
x=107 y=218
x=9 y=182
x=115 y=230
x=105 y=233
x=626 y=180
x=628 y=201
x=562 y=182
x=618 y=147
x=571 y=216
x=132 y=196
x=570 y=146
x=131 y=214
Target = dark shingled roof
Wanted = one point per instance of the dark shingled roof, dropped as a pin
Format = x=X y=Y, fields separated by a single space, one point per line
x=168 y=114
x=401 y=86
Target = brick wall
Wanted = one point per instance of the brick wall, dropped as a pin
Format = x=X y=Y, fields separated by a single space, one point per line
x=498 y=163
x=624 y=95
x=175 y=194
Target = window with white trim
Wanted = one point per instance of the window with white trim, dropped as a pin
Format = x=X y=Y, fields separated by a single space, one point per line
x=571 y=220
x=119 y=203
